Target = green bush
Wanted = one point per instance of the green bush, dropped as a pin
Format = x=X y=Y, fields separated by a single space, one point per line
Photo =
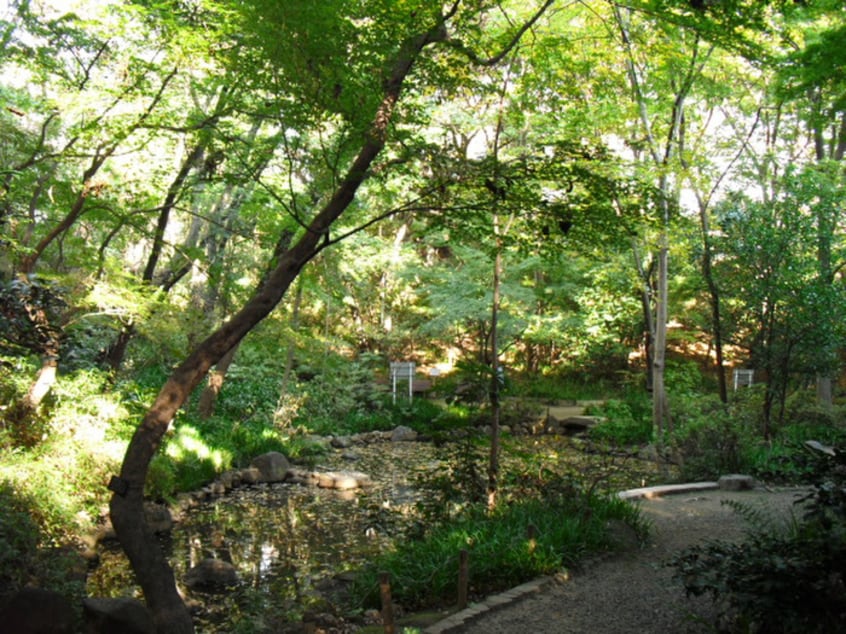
x=625 y=424
x=341 y=397
x=781 y=581
x=710 y=439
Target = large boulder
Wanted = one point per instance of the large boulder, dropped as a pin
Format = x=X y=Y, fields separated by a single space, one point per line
x=403 y=434
x=211 y=575
x=272 y=466
x=37 y=611
x=117 y=616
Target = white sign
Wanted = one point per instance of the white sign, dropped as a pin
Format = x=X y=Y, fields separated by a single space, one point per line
x=402 y=371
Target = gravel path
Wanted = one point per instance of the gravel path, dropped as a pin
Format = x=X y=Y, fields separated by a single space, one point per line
x=634 y=591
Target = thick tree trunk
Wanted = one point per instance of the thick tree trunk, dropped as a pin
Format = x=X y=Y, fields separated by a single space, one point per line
x=127 y=511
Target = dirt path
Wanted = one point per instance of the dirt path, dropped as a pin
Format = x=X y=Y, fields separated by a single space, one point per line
x=631 y=592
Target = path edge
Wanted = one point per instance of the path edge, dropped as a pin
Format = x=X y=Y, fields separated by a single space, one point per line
x=496 y=601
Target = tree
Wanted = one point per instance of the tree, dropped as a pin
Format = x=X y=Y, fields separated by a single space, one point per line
x=812 y=77
x=780 y=303
x=380 y=55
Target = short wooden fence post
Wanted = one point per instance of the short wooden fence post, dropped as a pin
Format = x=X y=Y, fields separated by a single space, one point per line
x=463 y=578
x=387 y=605
x=531 y=535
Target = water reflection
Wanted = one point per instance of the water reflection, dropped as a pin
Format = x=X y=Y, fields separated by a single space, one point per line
x=286 y=541
x=283 y=539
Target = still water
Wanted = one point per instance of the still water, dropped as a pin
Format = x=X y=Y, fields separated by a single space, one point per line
x=285 y=540
x=290 y=543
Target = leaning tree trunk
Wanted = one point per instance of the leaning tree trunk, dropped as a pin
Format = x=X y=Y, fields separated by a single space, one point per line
x=22 y=412
x=127 y=511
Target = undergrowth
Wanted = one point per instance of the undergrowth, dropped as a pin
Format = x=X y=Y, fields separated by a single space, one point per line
x=782 y=579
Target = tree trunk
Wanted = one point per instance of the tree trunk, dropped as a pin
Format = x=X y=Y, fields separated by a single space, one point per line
x=208 y=397
x=127 y=510
x=713 y=291
x=646 y=295
x=113 y=355
x=43 y=383
x=493 y=463
x=659 y=394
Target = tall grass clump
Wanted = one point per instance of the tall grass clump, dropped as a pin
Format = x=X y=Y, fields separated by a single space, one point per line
x=501 y=550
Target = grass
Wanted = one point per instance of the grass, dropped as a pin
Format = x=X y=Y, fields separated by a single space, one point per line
x=500 y=550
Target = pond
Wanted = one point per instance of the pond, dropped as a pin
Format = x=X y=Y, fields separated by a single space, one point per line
x=291 y=543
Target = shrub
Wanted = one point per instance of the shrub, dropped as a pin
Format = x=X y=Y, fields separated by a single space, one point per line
x=781 y=581
x=341 y=398
x=710 y=439
x=625 y=424
x=28 y=554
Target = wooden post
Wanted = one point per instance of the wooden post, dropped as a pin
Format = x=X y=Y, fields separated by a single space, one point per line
x=531 y=535
x=463 y=578
x=387 y=605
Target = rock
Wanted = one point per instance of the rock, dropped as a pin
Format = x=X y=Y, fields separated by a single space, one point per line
x=185 y=501
x=342 y=442
x=816 y=445
x=117 y=616
x=345 y=481
x=338 y=480
x=272 y=466
x=158 y=517
x=211 y=574
x=301 y=476
x=403 y=434
x=736 y=482
x=250 y=475
x=578 y=424
x=230 y=479
x=318 y=442
x=37 y=611
x=326 y=480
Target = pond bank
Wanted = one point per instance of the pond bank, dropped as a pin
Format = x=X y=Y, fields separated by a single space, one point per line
x=292 y=546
